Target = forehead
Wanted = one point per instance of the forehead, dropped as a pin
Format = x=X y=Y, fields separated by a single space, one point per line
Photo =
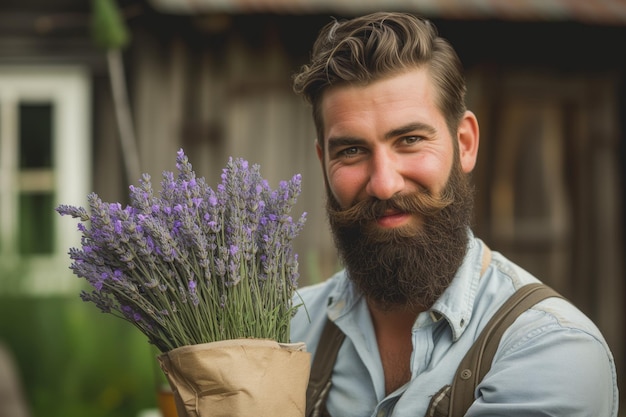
x=408 y=94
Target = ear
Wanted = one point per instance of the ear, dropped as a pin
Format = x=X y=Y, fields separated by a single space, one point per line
x=468 y=137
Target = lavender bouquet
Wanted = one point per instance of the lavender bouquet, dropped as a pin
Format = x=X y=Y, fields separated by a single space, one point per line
x=193 y=265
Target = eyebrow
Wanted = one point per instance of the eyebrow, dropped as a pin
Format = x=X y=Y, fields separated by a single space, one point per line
x=411 y=127
x=341 y=141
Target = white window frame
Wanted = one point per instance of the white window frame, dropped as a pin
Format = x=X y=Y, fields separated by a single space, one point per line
x=68 y=89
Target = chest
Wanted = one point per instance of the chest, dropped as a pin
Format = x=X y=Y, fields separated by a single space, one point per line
x=395 y=347
x=371 y=375
x=396 y=362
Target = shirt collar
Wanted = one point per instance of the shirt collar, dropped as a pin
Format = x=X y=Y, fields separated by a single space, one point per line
x=457 y=302
x=343 y=297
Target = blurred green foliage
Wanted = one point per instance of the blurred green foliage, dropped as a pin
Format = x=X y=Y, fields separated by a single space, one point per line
x=107 y=25
x=75 y=361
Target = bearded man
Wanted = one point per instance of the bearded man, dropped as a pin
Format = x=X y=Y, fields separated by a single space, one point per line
x=396 y=146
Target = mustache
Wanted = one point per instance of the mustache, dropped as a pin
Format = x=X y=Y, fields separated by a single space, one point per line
x=420 y=202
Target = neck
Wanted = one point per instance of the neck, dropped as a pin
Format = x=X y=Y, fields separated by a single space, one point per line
x=398 y=321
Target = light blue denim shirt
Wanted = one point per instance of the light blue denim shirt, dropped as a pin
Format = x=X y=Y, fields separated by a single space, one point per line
x=552 y=361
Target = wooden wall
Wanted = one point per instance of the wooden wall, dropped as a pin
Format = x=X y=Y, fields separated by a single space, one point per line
x=549 y=194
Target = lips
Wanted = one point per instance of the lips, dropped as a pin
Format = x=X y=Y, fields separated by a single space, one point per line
x=393 y=218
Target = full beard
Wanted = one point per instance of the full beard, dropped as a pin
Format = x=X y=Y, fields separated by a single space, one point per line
x=410 y=266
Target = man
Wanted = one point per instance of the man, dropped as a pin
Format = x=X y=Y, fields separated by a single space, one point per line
x=396 y=146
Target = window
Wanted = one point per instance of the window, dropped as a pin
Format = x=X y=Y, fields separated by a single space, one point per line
x=45 y=160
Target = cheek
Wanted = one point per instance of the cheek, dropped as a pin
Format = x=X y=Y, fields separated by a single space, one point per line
x=441 y=177
x=345 y=185
x=429 y=171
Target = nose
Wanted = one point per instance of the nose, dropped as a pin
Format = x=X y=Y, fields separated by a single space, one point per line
x=385 y=179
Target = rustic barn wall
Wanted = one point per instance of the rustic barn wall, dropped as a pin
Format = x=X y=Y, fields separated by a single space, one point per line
x=549 y=196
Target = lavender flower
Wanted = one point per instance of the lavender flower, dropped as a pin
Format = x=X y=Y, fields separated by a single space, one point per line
x=194 y=264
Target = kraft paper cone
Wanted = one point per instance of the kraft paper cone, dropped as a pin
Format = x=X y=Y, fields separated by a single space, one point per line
x=241 y=377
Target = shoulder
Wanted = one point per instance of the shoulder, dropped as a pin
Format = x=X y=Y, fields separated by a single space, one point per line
x=550 y=315
x=553 y=354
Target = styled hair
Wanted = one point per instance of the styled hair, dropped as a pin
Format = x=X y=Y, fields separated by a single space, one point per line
x=368 y=48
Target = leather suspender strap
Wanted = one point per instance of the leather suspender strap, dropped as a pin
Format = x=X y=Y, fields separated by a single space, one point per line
x=478 y=359
x=322 y=368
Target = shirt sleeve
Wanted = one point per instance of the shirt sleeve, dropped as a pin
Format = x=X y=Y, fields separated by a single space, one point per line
x=545 y=367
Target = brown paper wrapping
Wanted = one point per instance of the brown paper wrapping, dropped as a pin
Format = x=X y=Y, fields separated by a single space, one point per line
x=241 y=377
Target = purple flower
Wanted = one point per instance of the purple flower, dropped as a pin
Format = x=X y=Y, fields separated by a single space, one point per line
x=193 y=264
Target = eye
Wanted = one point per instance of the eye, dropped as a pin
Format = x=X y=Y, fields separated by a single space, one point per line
x=349 y=152
x=410 y=140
